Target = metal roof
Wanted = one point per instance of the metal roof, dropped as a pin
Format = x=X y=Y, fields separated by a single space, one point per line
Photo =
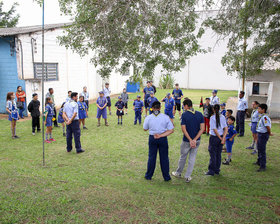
x=271 y=65
x=29 y=29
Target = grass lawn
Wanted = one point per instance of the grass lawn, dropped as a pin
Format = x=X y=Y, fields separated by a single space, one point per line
x=106 y=183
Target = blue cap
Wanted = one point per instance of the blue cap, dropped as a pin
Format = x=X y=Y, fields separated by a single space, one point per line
x=223 y=104
x=214 y=91
x=168 y=94
x=101 y=92
x=119 y=97
x=152 y=92
x=138 y=96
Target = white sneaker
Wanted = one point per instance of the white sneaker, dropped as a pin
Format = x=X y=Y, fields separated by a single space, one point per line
x=33 y=133
x=188 y=179
x=175 y=174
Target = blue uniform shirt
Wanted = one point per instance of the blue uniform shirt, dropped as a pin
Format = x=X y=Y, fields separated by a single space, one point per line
x=242 y=104
x=70 y=108
x=255 y=116
x=50 y=110
x=119 y=104
x=223 y=112
x=192 y=121
x=263 y=123
x=223 y=124
x=169 y=103
x=151 y=100
x=101 y=101
x=177 y=95
x=138 y=104
x=157 y=124
x=231 y=132
x=82 y=106
x=214 y=100
x=147 y=91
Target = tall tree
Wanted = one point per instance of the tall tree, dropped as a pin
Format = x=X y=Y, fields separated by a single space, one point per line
x=9 y=18
x=253 y=30
x=138 y=33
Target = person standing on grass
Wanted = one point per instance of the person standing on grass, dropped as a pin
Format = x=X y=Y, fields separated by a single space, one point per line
x=147 y=93
x=34 y=109
x=223 y=109
x=264 y=131
x=218 y=132
x=11 y=108
x=207 y=113
x=192 y=126
x=125 y=98
x=107 y=93
x=169 y=106
x=50 y=94
x=21 y=104
x=83 y=112
x=254 y=122
x=178 y=95
x=101 y=104
x=159 y=126
x=60 y=119
x=138 y=108
x=150 y=101
x=119 y=106
x=152 y=85
x=49 y=120
x=85 y=94
x=70 y=115
x=214 y=99
x=241 y=112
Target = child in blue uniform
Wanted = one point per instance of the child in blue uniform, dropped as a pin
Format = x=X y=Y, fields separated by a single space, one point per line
x=150 y=101
x=120 y=107
x=60 y=119
x=83 y=111
x=254 y=122
x=138 y=108
x=101 y=104
x=218 y=131
x=169 y=106
x=11 y=108
x=230 y=139
x=264 y=131
x=223 y=109
x=147 y=93
x=49 y=120
x=178 y=95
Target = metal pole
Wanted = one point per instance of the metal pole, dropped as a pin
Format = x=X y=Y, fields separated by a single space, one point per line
x=43 y=77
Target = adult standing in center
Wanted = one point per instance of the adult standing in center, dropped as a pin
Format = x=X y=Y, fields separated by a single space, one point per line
x=85 y=94
x=214 y=99
x=50 y=94
x=241 y=112
x=70 y=115
x=21 y=101
x=107 y=93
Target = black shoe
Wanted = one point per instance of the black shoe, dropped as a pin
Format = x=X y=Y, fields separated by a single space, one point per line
x=240 y=136
x=250 y=147
x=204 y=133
x=64 y=135
x=261 y=170
x=207 y=134
x=81 y=151
x=148 y=178
x=168 y=179
x=38 y=131
x=57 y=126
x=16 y=136
x=85 y=128
x=256 y=163
x=226 y=162
x=134 y=123
x=121 y=123
x=209 y=174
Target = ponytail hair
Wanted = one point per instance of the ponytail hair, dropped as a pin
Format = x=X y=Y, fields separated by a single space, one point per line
x=217 y=115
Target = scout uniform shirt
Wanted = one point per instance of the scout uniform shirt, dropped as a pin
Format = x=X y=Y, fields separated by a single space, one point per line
x=151 y=100
x=223 y=124
x=263 y=123
x=138 y=104
x=177 y=95
x=106 y=92
x=85 y=95
x=214 y=100
x=169 y=103
x=255 y=116
x=157 y=124
x=242 y=104
x=101 y=101
x=147 y=91
x=70 y=108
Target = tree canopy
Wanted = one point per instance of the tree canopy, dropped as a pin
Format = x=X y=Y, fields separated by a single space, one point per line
x=9 y=18
x=253 y=30
x=139 y=33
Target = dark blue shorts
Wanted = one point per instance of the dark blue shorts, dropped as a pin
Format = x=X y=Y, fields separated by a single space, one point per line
x=254 y=127
x=169 y=113
x=229 y=145
x=108 y=101
x=146 y=104
x=49 y=121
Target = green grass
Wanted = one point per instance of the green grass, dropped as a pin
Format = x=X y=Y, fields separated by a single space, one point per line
x=106 y=185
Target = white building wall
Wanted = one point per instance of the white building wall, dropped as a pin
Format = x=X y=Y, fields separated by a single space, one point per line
x=74 y=72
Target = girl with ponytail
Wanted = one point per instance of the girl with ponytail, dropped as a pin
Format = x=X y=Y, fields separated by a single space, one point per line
x=218 y=132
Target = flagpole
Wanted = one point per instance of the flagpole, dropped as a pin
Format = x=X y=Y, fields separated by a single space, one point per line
x=43 y=77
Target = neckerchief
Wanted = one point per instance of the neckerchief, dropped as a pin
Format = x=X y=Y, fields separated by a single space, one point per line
x=156 y=112
x=191 y=110
x=261 y=118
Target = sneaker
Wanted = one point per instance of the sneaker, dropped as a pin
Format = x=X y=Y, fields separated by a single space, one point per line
x=85 y=128
x=175 y=174
x=209 y=174
x=98 y=125
x=16 y=136
x=250 y=147
x=118 y=123
x=106 y=124
x=188 y=179
x=261 y=170
x=81 y=151
x=240 y=136
x=110 y=113
x=64 y=135
x=52 y=140
x=33 y=133
x=254 y=152
x=256 y=163
x=38 y=130
x=226 y=162
x=47 y=141
x=204 y=133
x=121 y=123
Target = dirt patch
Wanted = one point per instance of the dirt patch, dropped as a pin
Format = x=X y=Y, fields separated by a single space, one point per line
x=232 y=104
x=277 y=210
x=266 y=198
x=221 y=198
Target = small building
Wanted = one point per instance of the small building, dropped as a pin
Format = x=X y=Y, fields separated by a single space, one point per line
x=265 y=88
x=21 y=65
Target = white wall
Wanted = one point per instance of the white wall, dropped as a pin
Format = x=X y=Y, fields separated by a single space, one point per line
x=74 y=72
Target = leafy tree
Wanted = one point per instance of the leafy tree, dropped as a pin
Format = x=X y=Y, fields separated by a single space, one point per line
x=138 y=33
x=9 y=18
x=253 y=30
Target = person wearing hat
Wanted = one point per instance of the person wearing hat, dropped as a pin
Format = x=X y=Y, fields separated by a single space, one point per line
x=34 y=109
x=207 y=113
x=147 y=93
x=214 y=99
x=242 y=108
x=178 y=95
x=120 y=107
x=71 y=117
x=159 y=126
x=169 y=106
x=138 y=108
x=107 y=92
x=151 y=100
x=223 y=109
x=101 y=104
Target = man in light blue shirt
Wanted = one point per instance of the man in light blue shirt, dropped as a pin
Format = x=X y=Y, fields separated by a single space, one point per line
x=85 y=94
x=107 y=93
x=241 y=112
x=70 y=115
x=159 y=127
